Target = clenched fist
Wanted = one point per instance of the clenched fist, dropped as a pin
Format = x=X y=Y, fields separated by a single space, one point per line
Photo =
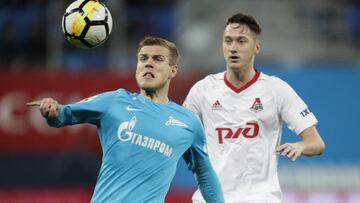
x=48 y=107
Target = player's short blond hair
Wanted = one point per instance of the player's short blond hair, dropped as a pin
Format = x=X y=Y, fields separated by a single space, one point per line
x=150 y=41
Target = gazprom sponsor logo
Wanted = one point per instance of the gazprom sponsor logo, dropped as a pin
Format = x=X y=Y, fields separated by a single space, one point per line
x=125 y=134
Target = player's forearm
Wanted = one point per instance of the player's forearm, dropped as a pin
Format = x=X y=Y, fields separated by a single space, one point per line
x=58 y=121
x=313 y=147
x=208 y=183
x=312 y=142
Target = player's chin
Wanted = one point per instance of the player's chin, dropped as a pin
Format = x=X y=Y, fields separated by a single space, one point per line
x=145 y=83
x=234 y=66
x=147 y=86
x=152 y=86
x=142 y=83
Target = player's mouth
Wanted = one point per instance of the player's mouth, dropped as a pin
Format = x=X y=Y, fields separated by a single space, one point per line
x=148 y=75
x=234 y=58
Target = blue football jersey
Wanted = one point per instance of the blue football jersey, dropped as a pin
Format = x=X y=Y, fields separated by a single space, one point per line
x=142 y=142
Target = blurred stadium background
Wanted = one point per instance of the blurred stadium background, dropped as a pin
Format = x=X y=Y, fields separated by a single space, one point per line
x=313 y=45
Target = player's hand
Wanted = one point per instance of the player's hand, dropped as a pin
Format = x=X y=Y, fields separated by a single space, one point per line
x=291 y=150
x=49 y=108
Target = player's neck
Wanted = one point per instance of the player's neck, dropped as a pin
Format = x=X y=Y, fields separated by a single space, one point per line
x=159 y=96
x=239 y=78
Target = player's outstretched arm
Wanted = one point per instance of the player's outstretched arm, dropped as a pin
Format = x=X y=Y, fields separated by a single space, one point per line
x=89 y=110
x=51 y=110
x=311 y=144
x=49 y=107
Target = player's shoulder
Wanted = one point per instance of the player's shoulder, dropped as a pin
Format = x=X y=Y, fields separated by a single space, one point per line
x=182 y=110
x=272 y=81
x=115 y=93
x=209 y=80
x=124 y=93
x=109 y=95
x=185 y=113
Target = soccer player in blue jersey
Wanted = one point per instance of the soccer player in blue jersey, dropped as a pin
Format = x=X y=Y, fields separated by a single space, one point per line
x=143 y=135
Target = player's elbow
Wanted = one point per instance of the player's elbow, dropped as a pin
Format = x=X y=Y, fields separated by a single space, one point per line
x=320 y=147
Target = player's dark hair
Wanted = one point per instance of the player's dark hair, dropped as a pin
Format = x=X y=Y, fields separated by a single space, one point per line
x=247 y=20
x=149 y=41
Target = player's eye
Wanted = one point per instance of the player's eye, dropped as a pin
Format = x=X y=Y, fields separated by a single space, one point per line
x=159 y=58
x=242 y=40
x=142 y=58
x=227 y=41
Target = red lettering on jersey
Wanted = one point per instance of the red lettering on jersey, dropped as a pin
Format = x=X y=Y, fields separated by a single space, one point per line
x=220 y=134
x=251 y=130
x=253 y=126
x=237 y=133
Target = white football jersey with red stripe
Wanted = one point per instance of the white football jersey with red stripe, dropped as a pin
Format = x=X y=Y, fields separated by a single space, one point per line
x=243 y=128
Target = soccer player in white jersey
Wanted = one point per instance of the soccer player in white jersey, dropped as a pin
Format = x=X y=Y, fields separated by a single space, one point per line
x=142 y=135
x=242 y=110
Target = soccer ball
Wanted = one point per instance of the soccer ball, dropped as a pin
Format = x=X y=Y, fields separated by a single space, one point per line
x=87 y=23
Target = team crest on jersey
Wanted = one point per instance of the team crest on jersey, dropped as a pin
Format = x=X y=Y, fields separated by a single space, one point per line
x=173 y=121
x=257 y=105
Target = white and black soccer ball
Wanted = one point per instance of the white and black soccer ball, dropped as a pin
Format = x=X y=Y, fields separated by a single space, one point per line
x=87 y=23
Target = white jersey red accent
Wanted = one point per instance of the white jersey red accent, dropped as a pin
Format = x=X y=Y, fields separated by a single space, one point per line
x=243 y=128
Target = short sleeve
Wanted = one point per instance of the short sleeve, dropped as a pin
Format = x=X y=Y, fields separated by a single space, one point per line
x=193 y=99
x=292 y=108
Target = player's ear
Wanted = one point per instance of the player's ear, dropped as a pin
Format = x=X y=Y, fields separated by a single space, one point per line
x=173 y=70
x=257 y=47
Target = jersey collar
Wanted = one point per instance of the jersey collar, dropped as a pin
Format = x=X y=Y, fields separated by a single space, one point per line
x=248 y=84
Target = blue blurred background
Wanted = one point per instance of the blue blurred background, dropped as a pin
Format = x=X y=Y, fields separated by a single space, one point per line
x=313 y=45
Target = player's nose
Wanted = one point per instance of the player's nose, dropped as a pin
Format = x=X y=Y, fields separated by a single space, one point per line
x=149 y=64
x=233 y=48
